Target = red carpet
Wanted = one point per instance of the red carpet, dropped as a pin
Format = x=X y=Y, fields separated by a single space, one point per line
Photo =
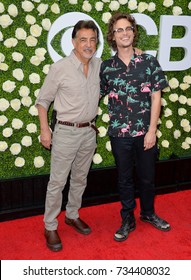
x=23 y=239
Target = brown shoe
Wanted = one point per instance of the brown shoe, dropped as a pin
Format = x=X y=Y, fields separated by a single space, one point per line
x=53 y=241
x=78 y=225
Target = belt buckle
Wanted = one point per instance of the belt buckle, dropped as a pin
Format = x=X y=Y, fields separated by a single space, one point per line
x=77 y=125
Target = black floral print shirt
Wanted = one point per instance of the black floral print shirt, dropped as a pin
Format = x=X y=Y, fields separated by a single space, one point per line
x=129 y=90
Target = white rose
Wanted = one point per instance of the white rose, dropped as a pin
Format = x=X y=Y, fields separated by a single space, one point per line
x=36 y=92
x=169 y=124
x=187 y=128
x=173 y=83
x=188 y=140
x=114 y=5
x=31 y=128
x=168 y=3
x=55 y=8
x=15 y=104
x=185 y=146
x=38 y=162
x=30 y=19
x=24 y=91
x=35 y=30
x=2 y=8
x=158 y=133
x=9 y=86
x=40 y=52
x=42 y=8
x=86 y=6
x=12 y=10
x=4 y=104
x=15 y=149
x=16 y=56
x=46 y=68
x=4 y=67
x=18 y=74
x=182 y=111
x=177 y=11
x=26 y=141
x=142 y=6
x=3 y=146
x=184 y=123
x=97 y=159
x=122 y=2
x=177 y=134
x=19 y=162
x=105 y=118
x=189 y=5
x=31 y=41
x=1 y=36
x=46 y=24
x=166 y=89
x=184 y=86
x=99 y=111
x=182 y=99
x=27 y=6
x=20 y=34
x=17 y=123
x=159 y=121
x=2 y=57
x=163 y=102
x=187 y=79
x=102 y=131
x=165 y=143
x=11 y=42
x=7 y=132
x=73 y=2
x=106 y=17
x=151 y=7
x=35 y=60
x=34 y=78
x=108 y=146
x=105 y=100
x=167 y=112
x=173 y=97
x=99 y=6
x=132 y=5
x=3 y=119
x=33 y=111
x=26 y=101
x=189 y=101
x=5 y=21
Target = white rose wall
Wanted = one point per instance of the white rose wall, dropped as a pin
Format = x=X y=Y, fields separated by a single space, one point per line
x=34 y=34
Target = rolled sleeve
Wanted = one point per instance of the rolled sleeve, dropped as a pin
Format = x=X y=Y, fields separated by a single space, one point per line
x=48 y=90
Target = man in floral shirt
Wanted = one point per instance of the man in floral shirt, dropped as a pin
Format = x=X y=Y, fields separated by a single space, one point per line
x=133 y=84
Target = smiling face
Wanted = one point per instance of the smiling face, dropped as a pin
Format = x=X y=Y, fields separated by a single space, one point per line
x=85 y=44
x=123 y=33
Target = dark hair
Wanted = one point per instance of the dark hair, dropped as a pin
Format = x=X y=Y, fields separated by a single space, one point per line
x=87 y=24
x=112 y=21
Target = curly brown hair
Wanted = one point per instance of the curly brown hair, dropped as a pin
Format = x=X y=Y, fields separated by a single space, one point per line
x=112 y=21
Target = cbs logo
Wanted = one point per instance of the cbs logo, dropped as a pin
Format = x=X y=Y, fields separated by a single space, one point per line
x=60 y=35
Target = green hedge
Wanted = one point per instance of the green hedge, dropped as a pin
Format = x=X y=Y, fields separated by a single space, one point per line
x=29 y=150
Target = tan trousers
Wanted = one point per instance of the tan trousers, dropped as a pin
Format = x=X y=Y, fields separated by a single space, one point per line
x=72 y=150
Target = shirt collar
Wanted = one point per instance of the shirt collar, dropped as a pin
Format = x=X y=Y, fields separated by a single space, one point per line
x=76 y=61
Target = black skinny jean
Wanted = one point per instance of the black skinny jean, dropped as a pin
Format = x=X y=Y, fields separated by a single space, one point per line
x=129 y=152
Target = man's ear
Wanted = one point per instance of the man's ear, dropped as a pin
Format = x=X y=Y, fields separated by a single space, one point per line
x=74 y=43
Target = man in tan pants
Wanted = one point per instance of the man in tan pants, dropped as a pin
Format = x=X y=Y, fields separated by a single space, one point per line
x=73 y=84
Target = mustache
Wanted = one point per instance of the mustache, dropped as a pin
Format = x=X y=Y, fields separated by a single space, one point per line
x=88 y=49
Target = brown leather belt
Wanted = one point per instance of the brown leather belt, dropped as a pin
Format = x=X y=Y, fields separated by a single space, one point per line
x=79 y=125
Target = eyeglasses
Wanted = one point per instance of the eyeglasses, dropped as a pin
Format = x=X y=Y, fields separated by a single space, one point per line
x=120 y=30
